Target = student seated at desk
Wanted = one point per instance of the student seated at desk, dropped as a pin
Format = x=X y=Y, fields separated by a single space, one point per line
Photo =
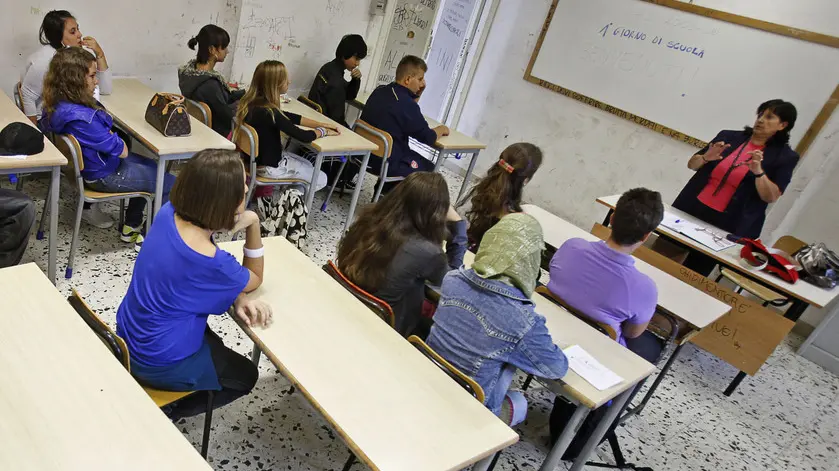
x=70 y=108
x=393 y=108
x=329 y=89
x=500 y=192
x=599 y=279
x=59 y=29
x=485 y=323
x=199 y=80
x=395 y=246
x=181 y=278
x=261 y=109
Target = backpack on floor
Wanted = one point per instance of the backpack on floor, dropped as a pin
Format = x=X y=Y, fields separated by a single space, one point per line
x=284 y=214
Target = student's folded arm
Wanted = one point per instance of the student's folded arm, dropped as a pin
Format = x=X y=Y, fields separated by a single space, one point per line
x=457 y=243
x=417 y=126
x=537 y=354
x=288 y=125
x=353 y=87
x=647 y=299
x=99 y=137
x=217 y=101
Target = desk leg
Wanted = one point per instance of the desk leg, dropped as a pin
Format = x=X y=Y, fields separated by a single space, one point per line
x=158 y=187
x=608 y=218
x=310 y=192
x=664 y=370
x=54 y=183
x=255 y=354
x=564 y=440
x=441 y=156
x=468 y=175
x=357 y=192
x=617 y=406
x=484 y=464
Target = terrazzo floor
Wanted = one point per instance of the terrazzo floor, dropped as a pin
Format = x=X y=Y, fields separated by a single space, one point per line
x=784 y=418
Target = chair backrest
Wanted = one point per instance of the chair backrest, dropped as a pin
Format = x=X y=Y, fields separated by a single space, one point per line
x=200 y=111
x=470 y=385
x=789 y=244
x=379 y=307
x=18 y=95
x=69 y=146
x=311 y=104
x=375 y=135
x=111 y=340
x=246 y=139
x=600 y=326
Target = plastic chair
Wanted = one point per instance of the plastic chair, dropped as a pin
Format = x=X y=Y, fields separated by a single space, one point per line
x=311 y=104
x=788 y=244
x=247 y=141
x=385 y=145
x=69 y=146
x=379 y=307
x=200 y=111
x=118 y=347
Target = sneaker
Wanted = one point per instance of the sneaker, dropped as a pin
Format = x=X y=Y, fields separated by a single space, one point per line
x=131 y=234
x=282 y=172
x=95 y=217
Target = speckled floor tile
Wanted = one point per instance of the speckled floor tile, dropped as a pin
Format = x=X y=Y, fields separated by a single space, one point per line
x=785 y=418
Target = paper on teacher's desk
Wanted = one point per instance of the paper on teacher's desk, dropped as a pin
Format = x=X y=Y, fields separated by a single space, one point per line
x=590 y=369
x=671 y=221
x=14 y=157
x=712 y=238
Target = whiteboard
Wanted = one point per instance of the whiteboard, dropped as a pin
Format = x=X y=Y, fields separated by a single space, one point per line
x=303 y=34
x=144 y=39
x=409 y=34
x=687 y=72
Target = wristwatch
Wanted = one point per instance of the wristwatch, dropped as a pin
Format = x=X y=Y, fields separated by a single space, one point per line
x=758 y=175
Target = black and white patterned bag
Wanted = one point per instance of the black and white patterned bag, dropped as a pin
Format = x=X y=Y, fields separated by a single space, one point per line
x=284 y=214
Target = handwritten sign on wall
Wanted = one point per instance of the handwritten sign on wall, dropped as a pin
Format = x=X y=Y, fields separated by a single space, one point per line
x=408 y=35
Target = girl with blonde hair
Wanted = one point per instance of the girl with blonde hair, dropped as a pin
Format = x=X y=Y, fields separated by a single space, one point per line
x=261 y=109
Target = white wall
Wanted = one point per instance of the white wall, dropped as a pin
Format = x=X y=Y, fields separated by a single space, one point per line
x=590 y=153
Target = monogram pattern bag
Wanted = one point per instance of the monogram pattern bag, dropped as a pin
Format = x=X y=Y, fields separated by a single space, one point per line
x=167 y=113
x=284 y=214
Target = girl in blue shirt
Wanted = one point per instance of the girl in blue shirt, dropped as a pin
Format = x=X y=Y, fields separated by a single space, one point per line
x=181 y=277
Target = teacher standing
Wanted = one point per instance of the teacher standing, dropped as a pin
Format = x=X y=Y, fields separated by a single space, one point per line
x=740 y=172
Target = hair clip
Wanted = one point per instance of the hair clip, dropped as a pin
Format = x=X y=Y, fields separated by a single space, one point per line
x=507 y=167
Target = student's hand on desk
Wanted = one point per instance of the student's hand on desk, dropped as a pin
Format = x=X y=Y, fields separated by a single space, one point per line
x=253 y=312
x=442 y=130
x=356 y=73
x=244 y=220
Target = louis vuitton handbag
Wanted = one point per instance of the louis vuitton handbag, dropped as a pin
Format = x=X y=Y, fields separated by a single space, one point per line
x=167 y=113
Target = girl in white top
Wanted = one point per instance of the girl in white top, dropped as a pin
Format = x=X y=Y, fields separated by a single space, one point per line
x=59 y=29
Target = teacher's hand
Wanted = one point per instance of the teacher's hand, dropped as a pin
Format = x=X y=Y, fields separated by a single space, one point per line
x=756 y=162
x=715 y=151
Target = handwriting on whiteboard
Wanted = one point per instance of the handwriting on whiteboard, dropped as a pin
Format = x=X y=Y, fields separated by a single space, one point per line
x=627 y=33
x=407 y=16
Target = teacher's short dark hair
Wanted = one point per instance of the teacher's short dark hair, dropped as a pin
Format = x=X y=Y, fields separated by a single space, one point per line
x=638 y=212
x=351 y=45
x=785 y=111
x=209 y=189
x=52 y=28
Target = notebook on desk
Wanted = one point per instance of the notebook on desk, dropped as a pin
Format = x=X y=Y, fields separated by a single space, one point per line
x=712 y=238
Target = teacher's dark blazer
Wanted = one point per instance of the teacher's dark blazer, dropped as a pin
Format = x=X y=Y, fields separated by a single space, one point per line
x=746 y=212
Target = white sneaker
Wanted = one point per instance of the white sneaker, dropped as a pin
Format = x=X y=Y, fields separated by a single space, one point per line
x=282 y=172
x=95 y=217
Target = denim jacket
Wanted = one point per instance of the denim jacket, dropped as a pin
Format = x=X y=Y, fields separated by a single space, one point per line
x=92 y=128
x=488 y=329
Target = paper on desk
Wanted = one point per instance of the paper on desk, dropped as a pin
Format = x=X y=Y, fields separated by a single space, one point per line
x=14 y=157
x=590 y=369
x=671 y=221
x=709 y=237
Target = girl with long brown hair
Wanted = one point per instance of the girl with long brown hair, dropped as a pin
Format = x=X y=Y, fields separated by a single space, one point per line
x=261 y=109
x=395 y=245
x=499 y=193
x=70 y=108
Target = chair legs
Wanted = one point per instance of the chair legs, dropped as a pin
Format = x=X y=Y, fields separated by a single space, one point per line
x=334 y=184
x=121 y=215
x=68 y=272
x=349 y=463
x=208 y=420
x=527 y=382
x=382 y=178
x=43 y=223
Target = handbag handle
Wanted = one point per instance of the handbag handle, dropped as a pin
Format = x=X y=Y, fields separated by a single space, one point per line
x=172 y=99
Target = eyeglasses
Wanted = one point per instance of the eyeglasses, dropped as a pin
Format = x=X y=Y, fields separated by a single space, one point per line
x=718 y=239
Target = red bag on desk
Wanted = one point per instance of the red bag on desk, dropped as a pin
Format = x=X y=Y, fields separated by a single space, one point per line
x=772 y=261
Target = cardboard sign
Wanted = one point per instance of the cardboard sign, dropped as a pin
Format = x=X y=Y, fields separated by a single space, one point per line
x=743 y=338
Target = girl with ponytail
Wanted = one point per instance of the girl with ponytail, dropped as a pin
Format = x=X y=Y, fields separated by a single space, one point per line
x=499 y=192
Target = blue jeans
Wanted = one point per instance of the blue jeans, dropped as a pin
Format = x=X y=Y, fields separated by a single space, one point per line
x=135 y=173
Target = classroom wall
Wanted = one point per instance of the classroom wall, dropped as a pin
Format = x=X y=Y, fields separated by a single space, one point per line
x=590 y=153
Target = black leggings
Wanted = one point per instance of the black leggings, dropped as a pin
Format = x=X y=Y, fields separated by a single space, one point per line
x=236 y=374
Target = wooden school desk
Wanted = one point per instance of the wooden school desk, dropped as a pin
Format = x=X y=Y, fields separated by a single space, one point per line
x=567 y=330
x=66 y=401
x=127 y=103
x=347 y=144
x=674 y=296
x=454 y=144
x=801 y=293
x=50 y=160
x=394 y=408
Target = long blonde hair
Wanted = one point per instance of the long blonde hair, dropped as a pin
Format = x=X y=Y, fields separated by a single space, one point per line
x=264 y=90
x=66 y=79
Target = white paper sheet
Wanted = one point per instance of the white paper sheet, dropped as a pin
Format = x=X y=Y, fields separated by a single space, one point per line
x=14 y=157
x=714 y=239
x=591 y=370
